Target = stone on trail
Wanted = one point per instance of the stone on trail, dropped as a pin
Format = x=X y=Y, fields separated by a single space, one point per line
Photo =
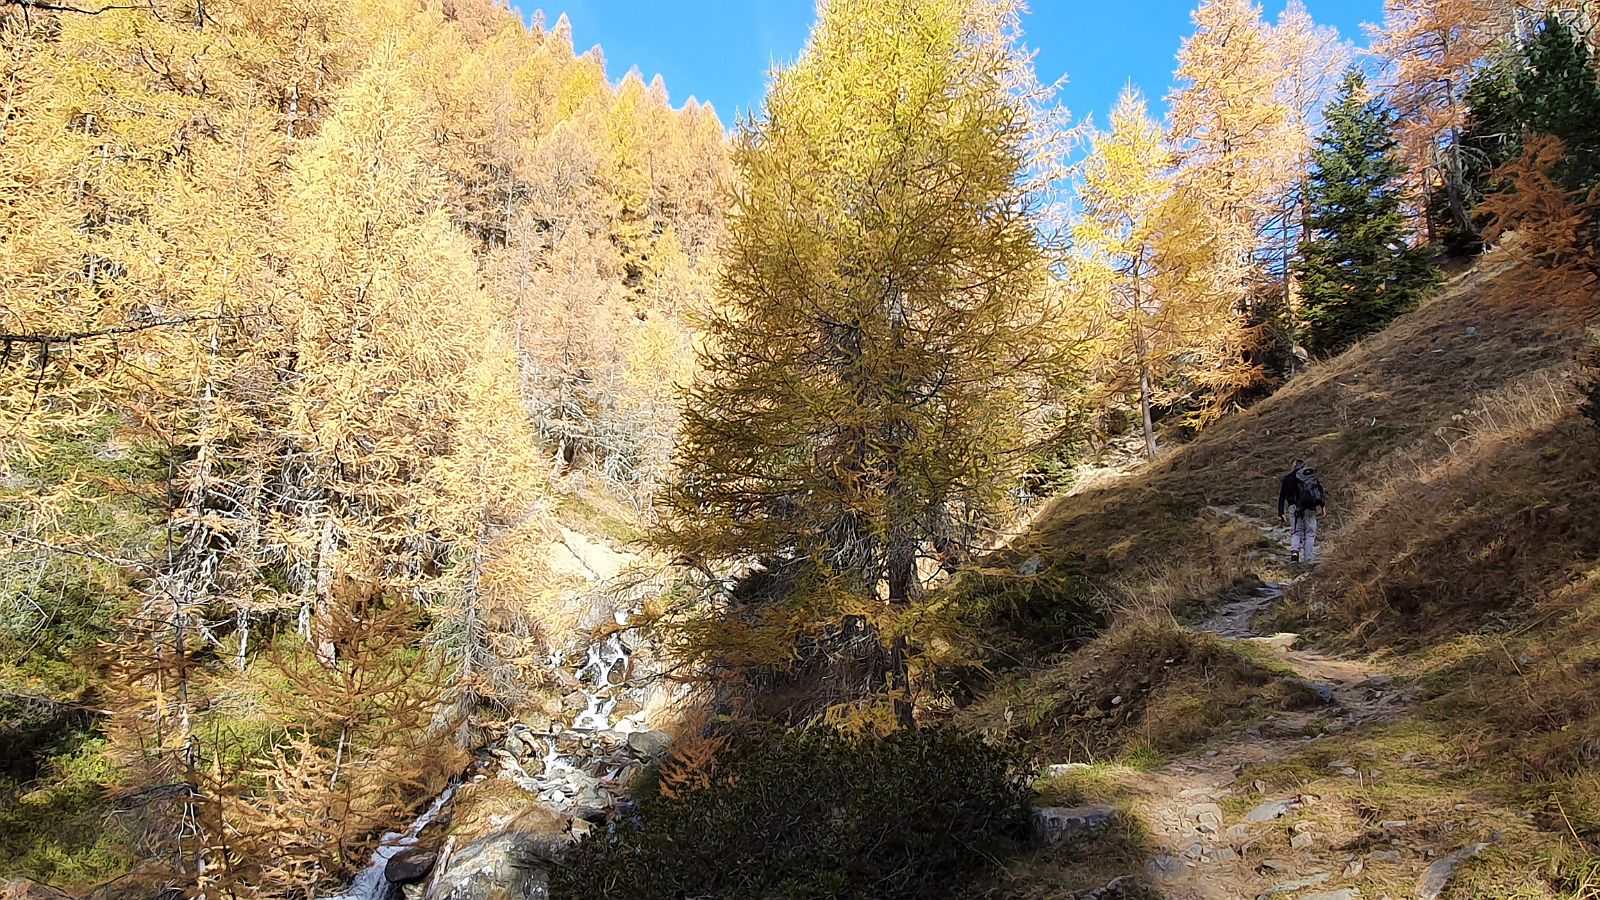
x=1125 y=888
x=1165 y=868
x=1057 y=824
x=1322 y=692
x=1301 y=841
x=1056 y=770
x=1340 y=894
x=1205 y=814
x=1283 y=640
x=1433 y=882
x=1299 y=884
x=1384 y=856
x=1266 y=812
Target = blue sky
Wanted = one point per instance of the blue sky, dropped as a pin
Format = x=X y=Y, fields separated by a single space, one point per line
x=721 y=50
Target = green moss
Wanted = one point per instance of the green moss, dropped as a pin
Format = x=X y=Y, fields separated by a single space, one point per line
x=594 y=514
x=59 y=830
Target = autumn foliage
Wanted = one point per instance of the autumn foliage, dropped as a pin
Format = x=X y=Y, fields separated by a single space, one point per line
x=309 y=312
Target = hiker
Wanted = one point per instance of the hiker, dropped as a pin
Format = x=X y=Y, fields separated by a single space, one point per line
x=1301 y=491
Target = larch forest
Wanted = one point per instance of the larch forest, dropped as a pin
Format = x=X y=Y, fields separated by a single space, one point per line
x=433 y=467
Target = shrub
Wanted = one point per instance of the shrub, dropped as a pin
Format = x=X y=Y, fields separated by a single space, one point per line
x=815 y=813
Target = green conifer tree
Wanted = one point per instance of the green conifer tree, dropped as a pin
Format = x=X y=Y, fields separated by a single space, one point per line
x=1359 y=268
x=1558 y=94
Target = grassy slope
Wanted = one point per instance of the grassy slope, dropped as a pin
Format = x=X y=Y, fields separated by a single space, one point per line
x=1463 y=548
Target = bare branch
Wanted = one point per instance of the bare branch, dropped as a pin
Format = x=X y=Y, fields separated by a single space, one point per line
x=45 y=340
x=66 y=8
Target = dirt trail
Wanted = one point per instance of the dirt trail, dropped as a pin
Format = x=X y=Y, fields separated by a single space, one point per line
x=1200 y=852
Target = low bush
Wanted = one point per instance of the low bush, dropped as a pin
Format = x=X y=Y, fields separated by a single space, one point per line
x=813 y=813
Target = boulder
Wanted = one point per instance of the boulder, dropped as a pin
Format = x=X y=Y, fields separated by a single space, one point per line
x=410 y=865
x=508 y=865
x=1057 y=824
x=649 y=744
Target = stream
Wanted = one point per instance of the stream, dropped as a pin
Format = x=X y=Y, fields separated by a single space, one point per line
x=579 y=766
x=370 y=883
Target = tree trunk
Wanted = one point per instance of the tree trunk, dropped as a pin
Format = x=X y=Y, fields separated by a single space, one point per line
x=1144 y=407
x=1141 y=349
x=327 y=547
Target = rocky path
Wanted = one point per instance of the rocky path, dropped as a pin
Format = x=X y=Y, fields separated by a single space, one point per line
x=1201 y=852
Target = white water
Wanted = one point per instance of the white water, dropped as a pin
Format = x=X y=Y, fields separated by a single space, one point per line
x=601 y=676
x=370 y=883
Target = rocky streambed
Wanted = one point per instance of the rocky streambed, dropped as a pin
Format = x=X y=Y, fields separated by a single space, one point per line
x=544 y=783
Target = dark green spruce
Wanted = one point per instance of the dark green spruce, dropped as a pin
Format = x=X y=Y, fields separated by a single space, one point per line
x=1358 y=268
x=1558 y=94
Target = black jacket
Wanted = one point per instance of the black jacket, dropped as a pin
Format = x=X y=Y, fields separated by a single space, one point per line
x=1289 y=492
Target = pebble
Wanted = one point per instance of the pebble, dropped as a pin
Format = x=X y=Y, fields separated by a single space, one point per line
x=1238 y=834
x=1301 y=841
x=1340 y=894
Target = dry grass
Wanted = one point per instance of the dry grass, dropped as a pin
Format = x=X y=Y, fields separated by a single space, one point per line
x=1347 y=415
x=1484 y=520
x=1463 y=544
x=1436 y=787
x=1143 y=686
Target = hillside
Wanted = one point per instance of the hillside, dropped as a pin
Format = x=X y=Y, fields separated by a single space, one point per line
x=1452 y=621
x=435 y=464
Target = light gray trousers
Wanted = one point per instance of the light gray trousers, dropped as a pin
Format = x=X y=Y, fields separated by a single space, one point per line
x=1303 y=539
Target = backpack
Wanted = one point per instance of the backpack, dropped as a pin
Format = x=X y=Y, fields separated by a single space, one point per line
x=1311 y=495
